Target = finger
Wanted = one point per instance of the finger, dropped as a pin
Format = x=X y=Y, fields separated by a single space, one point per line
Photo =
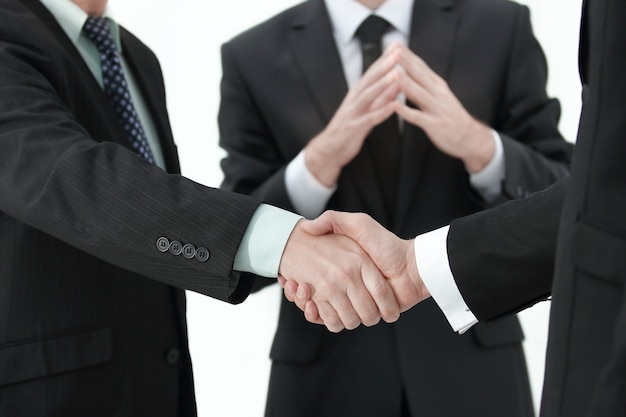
x=376 y=117
x=368 y=94
x=322 y=225
x=386 y=96
x=376 y=78
x=416 y=92
x=418 y=70
x=363 y=304
x=348 y=224
x=289 y=289
x=415 y=116
x=311 y=314
x=382 y=294
x=329 y=317
x=303 y=295
x=281 y=281
x=385 y=63
x=342 y=304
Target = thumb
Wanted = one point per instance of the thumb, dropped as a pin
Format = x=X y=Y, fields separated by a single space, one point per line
x=320 y=226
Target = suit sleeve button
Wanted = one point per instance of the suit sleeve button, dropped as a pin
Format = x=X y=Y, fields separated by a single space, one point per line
x=163 y=245
x=189 y=251
x=176 y=247
x=202 y=254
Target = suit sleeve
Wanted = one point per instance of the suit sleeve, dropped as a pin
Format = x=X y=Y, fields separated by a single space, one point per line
x=100 y=197
x=535 y=153
x=502 y=259
x=253 y=164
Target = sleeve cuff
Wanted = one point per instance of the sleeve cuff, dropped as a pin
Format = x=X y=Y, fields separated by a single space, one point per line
x=308 y=196
x=431 y=256
x=488 y=181
x=264 y=241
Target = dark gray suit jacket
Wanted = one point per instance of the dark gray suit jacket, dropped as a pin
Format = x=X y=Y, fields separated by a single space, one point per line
x=92 y=314
x=282 y=83
x=586 y=358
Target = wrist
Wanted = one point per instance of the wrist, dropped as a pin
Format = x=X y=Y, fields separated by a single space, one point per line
x=321 y=164
x=482 y=148
x=412 y=270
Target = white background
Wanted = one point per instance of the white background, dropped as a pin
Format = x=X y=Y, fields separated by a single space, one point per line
x=230 y=344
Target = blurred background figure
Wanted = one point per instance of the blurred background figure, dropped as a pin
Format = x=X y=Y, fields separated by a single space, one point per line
x=304 y=131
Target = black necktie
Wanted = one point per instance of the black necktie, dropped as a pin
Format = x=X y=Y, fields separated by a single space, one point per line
x=383 y=142
x=115 y=86
x=370 y=33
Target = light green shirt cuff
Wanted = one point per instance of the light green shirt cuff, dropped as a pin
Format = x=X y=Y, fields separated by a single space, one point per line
x=264 y=241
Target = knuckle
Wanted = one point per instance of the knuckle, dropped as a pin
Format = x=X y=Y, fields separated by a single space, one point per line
x=334 y=327
x=391 y=316
x=370 y=318
x=379 y=288
x=352 y=323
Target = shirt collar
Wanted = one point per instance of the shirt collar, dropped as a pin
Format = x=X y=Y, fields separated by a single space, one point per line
x=347 y=15
x=72 y=18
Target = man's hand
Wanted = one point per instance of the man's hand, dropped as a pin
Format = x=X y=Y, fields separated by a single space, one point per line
x=440 y=114
x=341 y=279
x=367 y=104
x=393 y=256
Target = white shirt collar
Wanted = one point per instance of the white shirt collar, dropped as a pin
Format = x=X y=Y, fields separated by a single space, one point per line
x=347 y=15
x=72 y=18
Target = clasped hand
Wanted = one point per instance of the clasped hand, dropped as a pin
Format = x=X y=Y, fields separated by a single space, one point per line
x=435 y=109
x=345 y=269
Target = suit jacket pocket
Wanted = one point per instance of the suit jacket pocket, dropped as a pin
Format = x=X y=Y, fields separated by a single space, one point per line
x=42 y=357
x=599 y=253
x=296 y=344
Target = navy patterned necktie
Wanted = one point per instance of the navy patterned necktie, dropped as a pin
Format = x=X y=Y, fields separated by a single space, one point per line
x=115 y=85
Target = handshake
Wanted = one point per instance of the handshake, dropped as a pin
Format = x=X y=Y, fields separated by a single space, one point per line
x=345 y=269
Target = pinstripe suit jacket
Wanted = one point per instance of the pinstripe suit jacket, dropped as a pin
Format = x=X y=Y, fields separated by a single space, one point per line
x=92 y=314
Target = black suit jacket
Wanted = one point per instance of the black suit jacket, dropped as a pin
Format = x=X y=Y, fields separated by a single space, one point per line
x=282 y=82
x=586 y=358
x=92 y=314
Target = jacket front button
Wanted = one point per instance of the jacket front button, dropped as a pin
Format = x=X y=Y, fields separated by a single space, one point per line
x=173 y=356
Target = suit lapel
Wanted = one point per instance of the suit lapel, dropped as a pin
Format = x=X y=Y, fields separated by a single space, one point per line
x=95 y=91
x=433 y=30
x=86 y=92
x=583 y=50
x=313 y=46
x=150 y=83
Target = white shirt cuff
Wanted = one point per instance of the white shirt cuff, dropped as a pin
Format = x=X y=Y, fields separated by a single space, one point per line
x=306 y=193
x=431 y=255
x=264 y=241
x=488 y=181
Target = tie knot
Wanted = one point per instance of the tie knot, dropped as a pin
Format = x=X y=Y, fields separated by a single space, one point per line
x=372 y=29
x=98 y=31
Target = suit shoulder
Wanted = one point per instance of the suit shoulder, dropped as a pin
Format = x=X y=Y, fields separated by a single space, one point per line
x=492 y=8
x=274 y=28
x=135 y=44
x=501 y=16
